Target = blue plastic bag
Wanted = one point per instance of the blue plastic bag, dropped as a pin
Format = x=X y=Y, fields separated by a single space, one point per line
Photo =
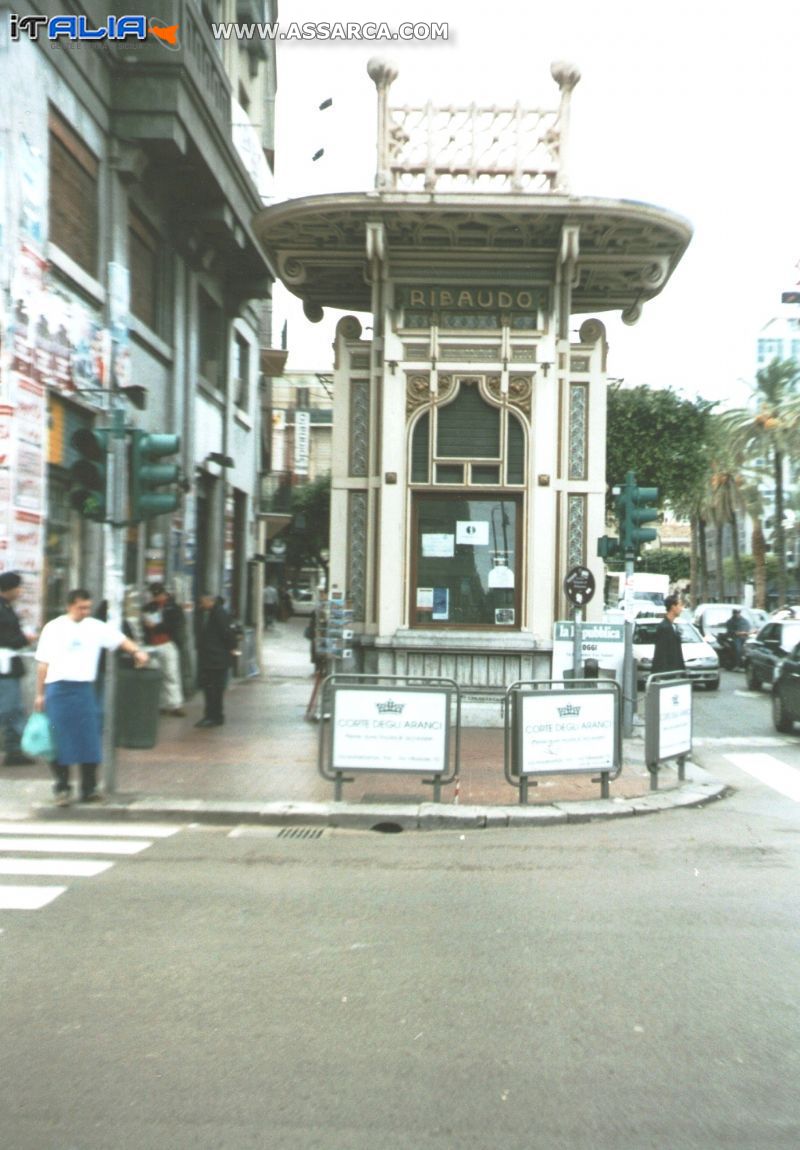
x=37 y=738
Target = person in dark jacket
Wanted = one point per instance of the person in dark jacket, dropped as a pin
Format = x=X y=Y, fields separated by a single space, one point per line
x=668 y=654
x=12 y=639
x=215 y=640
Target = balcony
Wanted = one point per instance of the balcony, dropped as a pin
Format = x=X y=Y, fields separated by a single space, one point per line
x=173 y=101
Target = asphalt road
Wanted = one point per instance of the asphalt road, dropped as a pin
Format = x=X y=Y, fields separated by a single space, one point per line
x=629 y=984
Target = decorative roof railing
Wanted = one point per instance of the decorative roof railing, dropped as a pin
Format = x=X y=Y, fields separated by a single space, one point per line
x=470 y=148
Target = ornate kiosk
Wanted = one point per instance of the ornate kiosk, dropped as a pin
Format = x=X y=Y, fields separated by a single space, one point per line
x=469 y=429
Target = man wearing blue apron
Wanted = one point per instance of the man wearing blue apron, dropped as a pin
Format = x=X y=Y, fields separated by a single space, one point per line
x=67 y=655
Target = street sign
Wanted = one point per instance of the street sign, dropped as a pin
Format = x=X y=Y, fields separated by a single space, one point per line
x=579 y=585
x=604 y=642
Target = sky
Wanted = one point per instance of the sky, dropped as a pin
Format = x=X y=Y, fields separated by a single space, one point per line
x=691 y=107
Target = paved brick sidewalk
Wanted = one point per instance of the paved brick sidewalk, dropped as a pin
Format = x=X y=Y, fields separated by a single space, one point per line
x=267 y=752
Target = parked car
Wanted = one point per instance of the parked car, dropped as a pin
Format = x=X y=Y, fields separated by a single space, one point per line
x=302 y=600
x=786 y=692
x=702 y=661
x=790 y=611
x=773 y=642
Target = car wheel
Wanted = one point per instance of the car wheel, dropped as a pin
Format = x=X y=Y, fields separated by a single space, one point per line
x=712 y=685
x=780 y=719
x=753 y=681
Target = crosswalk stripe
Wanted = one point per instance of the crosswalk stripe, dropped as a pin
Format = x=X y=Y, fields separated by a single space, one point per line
x=73 y=846
x=115 y=830
x=28 y=897
x=64 y=868
x=769 y=770
x=740 y=741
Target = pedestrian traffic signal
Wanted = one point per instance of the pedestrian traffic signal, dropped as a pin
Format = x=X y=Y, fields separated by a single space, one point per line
x=632 y=511
x=607 y=546
x=147 y=475
x=88 y=473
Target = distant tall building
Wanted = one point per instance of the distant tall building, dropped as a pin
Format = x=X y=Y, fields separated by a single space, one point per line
x=779 y=338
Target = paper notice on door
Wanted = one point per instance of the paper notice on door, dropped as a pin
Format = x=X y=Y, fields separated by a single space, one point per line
x=474 y=533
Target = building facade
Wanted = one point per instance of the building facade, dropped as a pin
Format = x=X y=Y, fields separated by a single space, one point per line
x=469 y=430
x=131 y=171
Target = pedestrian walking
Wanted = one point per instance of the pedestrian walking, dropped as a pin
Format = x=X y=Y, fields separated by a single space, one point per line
x=12 y=640
x=165 y=629
x=271 y=603
x=68 y=655
x=668 y=653
x=215 y=642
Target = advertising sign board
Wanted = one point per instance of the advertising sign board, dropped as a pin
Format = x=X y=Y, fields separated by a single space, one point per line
x=604 y=642
x=668 y=720
x=562 y=731
x=389 y=729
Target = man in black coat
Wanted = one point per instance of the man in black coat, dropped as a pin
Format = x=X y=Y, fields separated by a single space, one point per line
x=12 y=639
x=668 y=654
x=215 y=640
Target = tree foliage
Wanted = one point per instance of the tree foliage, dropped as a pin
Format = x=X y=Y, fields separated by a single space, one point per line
x=310 y=528
x=661 y=437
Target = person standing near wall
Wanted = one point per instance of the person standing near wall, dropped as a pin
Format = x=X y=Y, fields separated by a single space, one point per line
x=68 y=655
x=12 y=640
x=215 y=640
x=165 y=629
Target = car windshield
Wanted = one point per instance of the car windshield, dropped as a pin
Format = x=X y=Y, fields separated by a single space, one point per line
x=790 y=635
x=644 y=633
x=714 y=616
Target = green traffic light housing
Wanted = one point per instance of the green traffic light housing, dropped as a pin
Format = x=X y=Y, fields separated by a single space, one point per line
x=88 y=474
x=147 y=475
x=633 y=511
x=607 y=546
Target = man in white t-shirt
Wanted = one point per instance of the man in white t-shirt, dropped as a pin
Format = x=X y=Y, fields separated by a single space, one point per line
x=67 y=655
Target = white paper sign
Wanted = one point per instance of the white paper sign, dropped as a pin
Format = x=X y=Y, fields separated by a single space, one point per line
x=381 y=730
x=438 y=546
x=567 y=731
x=474 y=533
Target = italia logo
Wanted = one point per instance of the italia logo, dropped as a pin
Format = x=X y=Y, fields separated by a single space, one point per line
x=116 y=28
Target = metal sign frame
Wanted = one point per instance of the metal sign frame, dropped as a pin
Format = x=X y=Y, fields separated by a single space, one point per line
x=396 y=685
x=513 y=733
x=656 y=684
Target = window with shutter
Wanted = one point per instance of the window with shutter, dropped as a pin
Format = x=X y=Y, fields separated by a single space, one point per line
x=73 y=198
x=144 y=262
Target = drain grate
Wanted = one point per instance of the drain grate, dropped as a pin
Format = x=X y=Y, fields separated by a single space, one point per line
x=301 y=832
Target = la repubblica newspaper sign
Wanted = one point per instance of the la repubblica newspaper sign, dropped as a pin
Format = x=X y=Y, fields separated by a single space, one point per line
x=390 y=729
x=604 y=642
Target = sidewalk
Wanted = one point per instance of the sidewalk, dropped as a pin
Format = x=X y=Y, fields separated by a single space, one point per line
x=262 y=766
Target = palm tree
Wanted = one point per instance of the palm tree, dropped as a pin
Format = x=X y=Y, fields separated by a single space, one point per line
x=754 y=507
x=770 y=431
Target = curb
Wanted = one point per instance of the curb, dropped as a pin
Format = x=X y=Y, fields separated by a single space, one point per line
x=699 y=789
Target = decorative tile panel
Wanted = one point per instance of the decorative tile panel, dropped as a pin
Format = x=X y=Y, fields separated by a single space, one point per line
x=359 y=427
x=576 y=529
x=578 y=429
x=357 y=553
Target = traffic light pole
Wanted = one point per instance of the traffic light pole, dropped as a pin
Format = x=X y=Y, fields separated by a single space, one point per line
x=628 y=669
x=114 y=577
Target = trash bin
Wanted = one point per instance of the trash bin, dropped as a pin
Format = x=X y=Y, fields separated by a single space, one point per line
x=138 y=694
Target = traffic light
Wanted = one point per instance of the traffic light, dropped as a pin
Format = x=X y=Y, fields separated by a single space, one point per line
x=88 y=473
x=147 y=475
x=632 y=511
x=607 y=546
